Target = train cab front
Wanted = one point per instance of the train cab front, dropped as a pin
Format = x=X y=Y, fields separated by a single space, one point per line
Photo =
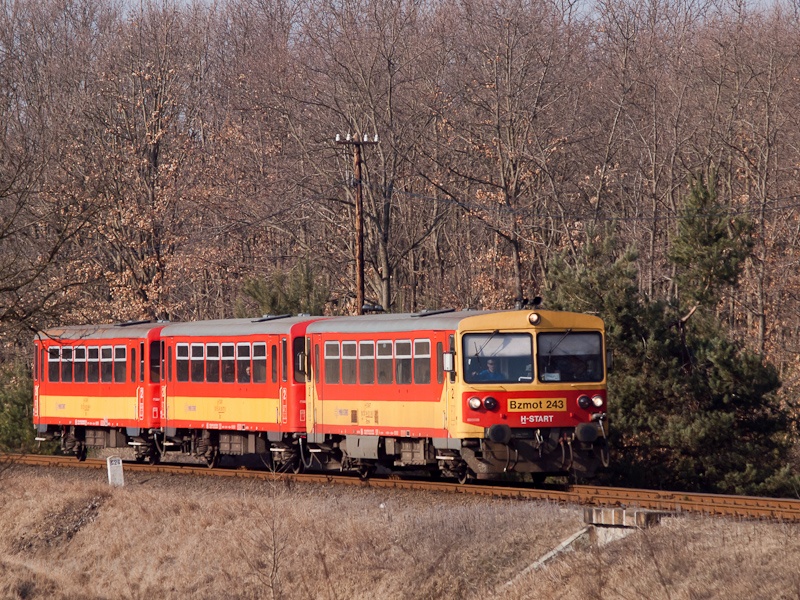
x=536 y=397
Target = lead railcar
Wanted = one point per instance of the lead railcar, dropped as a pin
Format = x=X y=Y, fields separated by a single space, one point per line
x=418 y=391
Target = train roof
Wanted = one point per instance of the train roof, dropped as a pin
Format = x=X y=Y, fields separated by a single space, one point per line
x=436 y=320
x=452 y=320
x=394 y=322
x=138 y=329
x=269 y=324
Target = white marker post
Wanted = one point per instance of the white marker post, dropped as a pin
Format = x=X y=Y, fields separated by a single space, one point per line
x=115 y=476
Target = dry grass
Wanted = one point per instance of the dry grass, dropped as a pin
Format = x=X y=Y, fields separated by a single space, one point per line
x=68 y=534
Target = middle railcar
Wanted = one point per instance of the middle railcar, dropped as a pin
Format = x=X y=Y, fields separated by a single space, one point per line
x=236 y=387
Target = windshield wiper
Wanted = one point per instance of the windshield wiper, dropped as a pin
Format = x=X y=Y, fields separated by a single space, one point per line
x=558 y=343
x=486 y=343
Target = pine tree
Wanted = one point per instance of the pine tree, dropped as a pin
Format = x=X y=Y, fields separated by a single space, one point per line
x=689 y=408
x=297 y=291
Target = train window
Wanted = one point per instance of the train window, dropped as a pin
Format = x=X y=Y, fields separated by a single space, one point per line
x=497 y=357
x=141 y=361
x=169 y=364
x=212 y=363
x=66 y=364
x=53 y=363
x=451 y=340
x=120 y=364
x=274 y=365
x=197 y=367
x=259 y=362
x=569 y=356
x=36 y=364
x=106 y=364
x=348 y=362
x=155 y=362
x=228 y=364
x=439 y=362
x=284 y=360
x=79 y=367
x=93 y=365
x=299 y=368
x=385 y=354
x=366 y=362
x=331 y=362
x=182 y=362
x=422 y=361
x=40 y=355
x=133 y=364
x=402 y=361
x=243 y=363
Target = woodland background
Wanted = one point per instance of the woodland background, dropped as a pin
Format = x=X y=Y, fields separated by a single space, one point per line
x=636 y=159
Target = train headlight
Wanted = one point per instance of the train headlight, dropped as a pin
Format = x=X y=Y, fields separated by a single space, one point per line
x=597 y=401
x=474 y=403
x=490 y=403
x=584 y=402
x=534 y=318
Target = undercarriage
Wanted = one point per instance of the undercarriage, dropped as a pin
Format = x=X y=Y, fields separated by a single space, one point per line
x=526 y=452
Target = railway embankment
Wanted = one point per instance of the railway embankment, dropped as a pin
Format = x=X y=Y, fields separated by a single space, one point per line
x=67 y=533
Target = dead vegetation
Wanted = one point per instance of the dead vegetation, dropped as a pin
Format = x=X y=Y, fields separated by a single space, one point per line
x=67 y=534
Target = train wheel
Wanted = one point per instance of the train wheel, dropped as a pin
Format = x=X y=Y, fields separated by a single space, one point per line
x=465 y=476
x=365 y=472
x=298 y=466
x=153 y=458
x=213 y=460
x=82 y=451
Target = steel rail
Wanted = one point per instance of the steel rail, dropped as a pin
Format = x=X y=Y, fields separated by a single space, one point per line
x=746 y=507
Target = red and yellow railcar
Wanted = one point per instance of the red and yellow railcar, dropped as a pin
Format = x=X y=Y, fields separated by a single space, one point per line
x=98 y=385
x=463 y=393
x=236 y=387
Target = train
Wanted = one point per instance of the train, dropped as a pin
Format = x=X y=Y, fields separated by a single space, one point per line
x=458 y=394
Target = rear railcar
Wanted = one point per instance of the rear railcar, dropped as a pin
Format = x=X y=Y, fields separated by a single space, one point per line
x=236 y=387
x=98 y=386
x=464 y=394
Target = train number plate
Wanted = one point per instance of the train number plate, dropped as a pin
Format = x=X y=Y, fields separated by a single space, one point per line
x=537 y=404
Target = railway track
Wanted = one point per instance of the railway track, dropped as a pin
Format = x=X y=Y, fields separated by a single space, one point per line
x=748 y=507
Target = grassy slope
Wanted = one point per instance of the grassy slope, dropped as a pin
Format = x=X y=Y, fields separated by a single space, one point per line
x=67 y=534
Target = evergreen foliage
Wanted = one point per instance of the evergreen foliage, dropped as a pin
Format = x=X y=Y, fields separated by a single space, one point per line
x=689 y=408
x=16 y=393
x=297 y=291
x=709 y=249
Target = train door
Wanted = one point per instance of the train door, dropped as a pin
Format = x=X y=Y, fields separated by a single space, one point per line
x=283 y=387
x=314 y=382
x=452 y=412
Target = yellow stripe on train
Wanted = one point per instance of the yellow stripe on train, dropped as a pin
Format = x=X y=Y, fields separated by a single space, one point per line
x=239 y=410
x=88 y=407
x=409 y=415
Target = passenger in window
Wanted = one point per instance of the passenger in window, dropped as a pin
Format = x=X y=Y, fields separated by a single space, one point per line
x=490 y=373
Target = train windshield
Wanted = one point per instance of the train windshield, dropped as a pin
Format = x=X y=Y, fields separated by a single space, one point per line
x=498 y=357
x=569 y=356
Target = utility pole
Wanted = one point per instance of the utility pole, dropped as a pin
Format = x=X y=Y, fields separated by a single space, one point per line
x=356 y=143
